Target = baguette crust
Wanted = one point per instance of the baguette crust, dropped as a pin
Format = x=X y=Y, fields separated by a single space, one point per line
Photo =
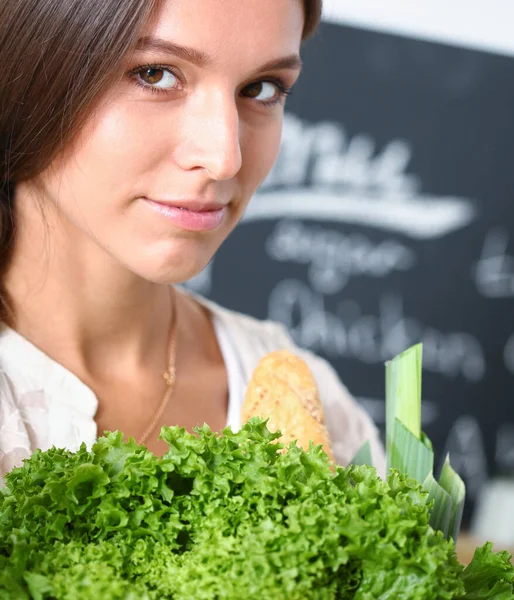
x=283 y=390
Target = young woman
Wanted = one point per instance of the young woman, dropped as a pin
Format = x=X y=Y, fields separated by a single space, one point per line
x=134 y=134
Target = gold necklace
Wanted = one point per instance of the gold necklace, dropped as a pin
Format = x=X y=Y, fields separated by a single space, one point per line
x=169 y=376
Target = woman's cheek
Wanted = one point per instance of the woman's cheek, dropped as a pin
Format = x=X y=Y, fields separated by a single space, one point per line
x=260 y=152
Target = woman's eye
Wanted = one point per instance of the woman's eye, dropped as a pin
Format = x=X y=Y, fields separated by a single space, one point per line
x=156 y=78
x=263 y=91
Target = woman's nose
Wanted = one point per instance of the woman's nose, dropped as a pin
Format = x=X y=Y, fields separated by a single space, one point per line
x=210 y=137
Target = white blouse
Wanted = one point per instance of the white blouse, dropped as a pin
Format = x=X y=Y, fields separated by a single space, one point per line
x=42 y=404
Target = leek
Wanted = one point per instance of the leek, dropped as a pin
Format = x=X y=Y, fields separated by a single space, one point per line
x=409 y=450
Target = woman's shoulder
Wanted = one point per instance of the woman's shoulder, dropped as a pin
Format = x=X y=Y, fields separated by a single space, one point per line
x=41 y=403
x=15 y=443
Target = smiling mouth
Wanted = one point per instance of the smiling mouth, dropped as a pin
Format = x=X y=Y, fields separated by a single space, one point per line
x=190 y=215
x=193 y=205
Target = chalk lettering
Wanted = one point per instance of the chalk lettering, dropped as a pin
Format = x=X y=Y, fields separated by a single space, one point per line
x=508 y=354
x=333 y=257
x=505 y=446
x=323 y=175
x=494 y=271
x=372 y=338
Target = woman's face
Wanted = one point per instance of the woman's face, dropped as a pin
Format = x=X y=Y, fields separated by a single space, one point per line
x=167 y=164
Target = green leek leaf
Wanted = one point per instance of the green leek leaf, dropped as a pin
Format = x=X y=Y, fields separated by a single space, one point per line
x=410 y=451
x=453 y=484
x=363 y=456
x=442 y=509
x=409 y=454
x=403 y=393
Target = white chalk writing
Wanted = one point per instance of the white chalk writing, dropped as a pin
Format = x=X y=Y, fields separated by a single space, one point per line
x=505 y=446
x=494 y=271
x=323 y=175
x=369 y=338
x=334 y=257
x=321 y=154
x=508 y=354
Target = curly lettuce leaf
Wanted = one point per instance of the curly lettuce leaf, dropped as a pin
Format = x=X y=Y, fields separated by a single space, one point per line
x=226 y=516
x=489 y=575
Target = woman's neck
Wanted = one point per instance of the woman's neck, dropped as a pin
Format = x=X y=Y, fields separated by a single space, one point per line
x=79 y=305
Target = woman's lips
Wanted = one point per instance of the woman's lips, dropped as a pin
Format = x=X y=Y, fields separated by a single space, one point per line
x=191 y=217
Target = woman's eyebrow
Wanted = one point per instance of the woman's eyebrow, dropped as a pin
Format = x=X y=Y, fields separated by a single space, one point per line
x=293 y=62
x=200 y=59
x=155 y=44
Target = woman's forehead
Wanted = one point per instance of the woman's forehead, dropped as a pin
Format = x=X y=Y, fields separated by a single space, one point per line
x=219 y=27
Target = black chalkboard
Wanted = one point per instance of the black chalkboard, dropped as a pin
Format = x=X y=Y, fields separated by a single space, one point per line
x=388 y=220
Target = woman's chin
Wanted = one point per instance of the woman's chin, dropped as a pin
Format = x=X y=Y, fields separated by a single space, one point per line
x=169 y=262
x=173 y=271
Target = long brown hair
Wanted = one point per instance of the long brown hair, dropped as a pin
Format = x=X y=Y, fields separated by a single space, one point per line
x=58 y=58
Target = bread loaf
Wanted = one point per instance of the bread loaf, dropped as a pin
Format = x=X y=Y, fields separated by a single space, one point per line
x=283 y=390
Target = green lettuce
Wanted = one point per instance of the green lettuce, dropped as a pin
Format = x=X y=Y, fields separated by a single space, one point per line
x=225 y=517
x=489 y=575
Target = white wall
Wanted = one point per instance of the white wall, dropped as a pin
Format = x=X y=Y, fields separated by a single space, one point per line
x=481 y=24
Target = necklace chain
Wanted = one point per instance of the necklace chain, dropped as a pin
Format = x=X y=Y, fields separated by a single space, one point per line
x=169 y=377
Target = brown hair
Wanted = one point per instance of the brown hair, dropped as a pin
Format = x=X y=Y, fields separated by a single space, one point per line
x=58 y=57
